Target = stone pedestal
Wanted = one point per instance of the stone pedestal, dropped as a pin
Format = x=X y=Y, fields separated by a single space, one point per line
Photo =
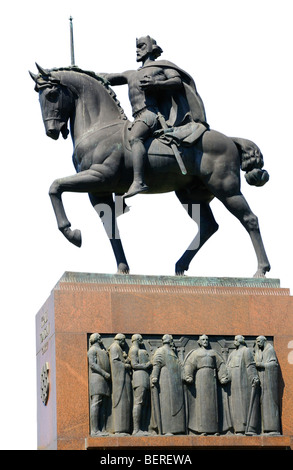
x=81 y=304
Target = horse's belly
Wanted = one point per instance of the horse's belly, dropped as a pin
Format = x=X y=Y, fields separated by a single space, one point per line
x=162 y=174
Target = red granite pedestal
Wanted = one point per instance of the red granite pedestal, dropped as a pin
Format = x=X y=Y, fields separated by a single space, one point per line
x=81 y=304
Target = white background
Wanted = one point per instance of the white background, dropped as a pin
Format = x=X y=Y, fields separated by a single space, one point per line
x=239 y=53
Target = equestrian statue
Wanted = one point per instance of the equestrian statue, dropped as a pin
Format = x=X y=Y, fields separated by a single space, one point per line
x=167 y=147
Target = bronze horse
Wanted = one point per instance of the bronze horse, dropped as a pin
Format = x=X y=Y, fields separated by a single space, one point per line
x=103 y=164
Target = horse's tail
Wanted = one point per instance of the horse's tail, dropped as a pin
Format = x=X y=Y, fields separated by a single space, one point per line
x=252 y=162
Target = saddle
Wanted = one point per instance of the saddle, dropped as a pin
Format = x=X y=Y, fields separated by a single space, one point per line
x=162 y=139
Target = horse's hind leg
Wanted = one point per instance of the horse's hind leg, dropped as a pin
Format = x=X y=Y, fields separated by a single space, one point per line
x=239 y=207
x=207 y=226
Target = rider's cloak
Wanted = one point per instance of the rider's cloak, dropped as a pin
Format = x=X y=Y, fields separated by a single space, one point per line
x=177 y=105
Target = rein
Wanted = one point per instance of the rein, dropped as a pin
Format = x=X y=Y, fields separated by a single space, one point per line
x=54 y=119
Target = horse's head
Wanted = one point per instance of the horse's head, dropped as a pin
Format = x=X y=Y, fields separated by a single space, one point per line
x=56 y=102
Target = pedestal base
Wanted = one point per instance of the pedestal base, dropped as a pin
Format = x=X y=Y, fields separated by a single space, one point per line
x=177 y=443
x=81 y=304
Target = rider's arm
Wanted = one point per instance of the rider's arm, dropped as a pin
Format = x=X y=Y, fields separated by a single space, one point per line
x=116 y=78
x=173 y=80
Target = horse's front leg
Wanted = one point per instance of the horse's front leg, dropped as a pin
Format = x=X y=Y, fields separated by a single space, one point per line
x=82 y=182
x=108 y=211
x=55 y=193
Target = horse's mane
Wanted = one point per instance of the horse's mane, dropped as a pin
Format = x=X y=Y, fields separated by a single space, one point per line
x=97 y=77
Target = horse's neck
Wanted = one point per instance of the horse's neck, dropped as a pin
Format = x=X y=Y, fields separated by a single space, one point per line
x=94 y=108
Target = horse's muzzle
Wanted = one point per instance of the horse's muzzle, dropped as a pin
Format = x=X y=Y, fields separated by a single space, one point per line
x=53 y=134
x=53 y=131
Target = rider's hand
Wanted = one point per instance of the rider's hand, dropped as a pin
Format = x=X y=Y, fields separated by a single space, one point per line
x=147 y=82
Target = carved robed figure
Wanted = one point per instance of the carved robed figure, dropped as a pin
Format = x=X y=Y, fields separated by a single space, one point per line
x=268 y=371
x=204 y=368
x=104 y=162
x=244 y=401
x=141 y=369
x=167 y=390
x=122 y=389
x=99 y=384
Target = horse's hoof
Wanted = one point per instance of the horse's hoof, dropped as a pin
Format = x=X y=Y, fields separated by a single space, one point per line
x=76 y=238
x=179 y=273
x=123 y=269
x=180 y=269
x=73 y=236
x=260 y=274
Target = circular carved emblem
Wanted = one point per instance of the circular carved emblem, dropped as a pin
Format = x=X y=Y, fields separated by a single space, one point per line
x=45 y=383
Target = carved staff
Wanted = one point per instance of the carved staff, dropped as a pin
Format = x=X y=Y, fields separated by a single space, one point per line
x=173 y=146
x=157 y=408
x=71 y=42
x=252 y=400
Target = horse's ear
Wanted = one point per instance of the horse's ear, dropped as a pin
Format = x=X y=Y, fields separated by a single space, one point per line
x=41 y=70
x=34 y=76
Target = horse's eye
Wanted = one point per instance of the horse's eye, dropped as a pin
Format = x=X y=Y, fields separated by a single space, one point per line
x=53 y=94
